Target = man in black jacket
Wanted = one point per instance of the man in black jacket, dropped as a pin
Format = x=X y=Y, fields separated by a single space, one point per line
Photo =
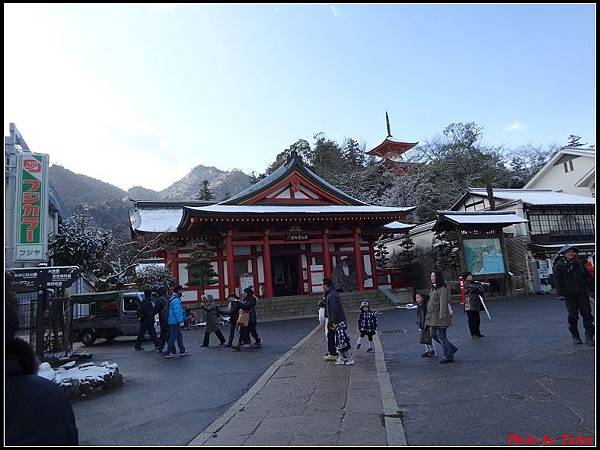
x=146 y=316
x=574 y=284
x=37 y=411
x=162 y=309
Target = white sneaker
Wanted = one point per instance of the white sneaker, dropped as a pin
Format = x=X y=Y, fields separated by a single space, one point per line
x=349 y=362
x=340 y=361
x=329 y=358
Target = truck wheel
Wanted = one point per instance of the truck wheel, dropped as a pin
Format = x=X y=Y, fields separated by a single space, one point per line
x=88 y=337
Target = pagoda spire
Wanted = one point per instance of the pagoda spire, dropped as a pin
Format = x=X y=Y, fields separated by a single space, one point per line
x=387 y=121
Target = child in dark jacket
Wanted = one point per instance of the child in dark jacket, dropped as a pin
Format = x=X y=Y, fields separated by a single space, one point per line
x=367 y=325
x=425 y=332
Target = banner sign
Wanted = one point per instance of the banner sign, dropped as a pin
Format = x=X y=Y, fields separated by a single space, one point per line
x=31 y=242
x=37 y=278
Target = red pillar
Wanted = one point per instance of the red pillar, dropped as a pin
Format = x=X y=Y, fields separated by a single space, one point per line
x=230 y=265
x=222 y=296
x=267 y=265
x=373 y=264
x=360 y=282
x=326 y=256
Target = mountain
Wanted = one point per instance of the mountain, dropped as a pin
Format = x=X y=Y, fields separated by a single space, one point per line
x=141 y=193
x=75 y=189
x=109 y=205
x=220 y=182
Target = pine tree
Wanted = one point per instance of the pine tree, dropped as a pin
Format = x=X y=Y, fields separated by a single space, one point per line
x=407 y=244
x=200 y=268
x=381 y=256
x=205 y=193
x=575 y=141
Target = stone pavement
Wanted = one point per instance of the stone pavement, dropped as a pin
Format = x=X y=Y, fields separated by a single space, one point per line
x=304 y=400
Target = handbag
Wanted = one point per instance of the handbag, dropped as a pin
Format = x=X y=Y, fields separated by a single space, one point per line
x=243 y=318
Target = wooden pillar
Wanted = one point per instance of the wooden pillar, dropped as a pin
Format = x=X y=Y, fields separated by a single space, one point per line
x=267 y=265
x=373 y=264
x=360 y=282
x=326 y=256
x=230 y=264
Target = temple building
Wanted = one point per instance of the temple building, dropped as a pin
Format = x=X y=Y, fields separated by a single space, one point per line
x=392 y=150
x=281 y=235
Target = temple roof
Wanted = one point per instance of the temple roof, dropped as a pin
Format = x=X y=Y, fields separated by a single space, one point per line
x=294 y=163
x=391 y=148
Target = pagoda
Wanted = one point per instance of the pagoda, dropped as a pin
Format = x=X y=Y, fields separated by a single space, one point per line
x=391 y=150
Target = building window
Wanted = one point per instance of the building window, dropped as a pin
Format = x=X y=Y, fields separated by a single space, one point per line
x=558 y=224
x=571 y=165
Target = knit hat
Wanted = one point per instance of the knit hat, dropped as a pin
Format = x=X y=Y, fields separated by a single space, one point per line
x=365 y=303
x=568 y=247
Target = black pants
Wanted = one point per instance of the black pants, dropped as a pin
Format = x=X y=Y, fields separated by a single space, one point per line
x=331 y=342
x=474 y=321
x=369 y=334
x=207 y=337
x=579 y=304
x=232 y=327
x=146 y=325
x=245 y=333
x=164 y=336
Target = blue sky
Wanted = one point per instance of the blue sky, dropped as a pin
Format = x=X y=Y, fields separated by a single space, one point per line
x=140 y=94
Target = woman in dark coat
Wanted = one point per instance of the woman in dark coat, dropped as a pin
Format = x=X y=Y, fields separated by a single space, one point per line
x=439 y=315
x=212 y=320
x=473 y=306
x=249 y=305
x=37 y=411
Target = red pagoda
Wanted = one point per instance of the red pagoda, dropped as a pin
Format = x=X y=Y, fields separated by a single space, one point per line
x=392 y=150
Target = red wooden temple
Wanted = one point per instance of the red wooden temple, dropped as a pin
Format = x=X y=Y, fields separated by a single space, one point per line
x=281 y=235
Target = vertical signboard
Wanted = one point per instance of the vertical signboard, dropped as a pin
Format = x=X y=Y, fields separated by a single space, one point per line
x=31 y=240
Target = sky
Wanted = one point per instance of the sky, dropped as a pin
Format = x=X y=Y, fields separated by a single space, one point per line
x=140 y=94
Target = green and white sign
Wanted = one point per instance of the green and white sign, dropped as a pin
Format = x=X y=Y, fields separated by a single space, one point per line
x=31 y=242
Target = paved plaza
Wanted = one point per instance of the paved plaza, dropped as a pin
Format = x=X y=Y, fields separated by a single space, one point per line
x=524 y=378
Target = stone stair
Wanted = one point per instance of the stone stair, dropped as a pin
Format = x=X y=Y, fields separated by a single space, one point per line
x=299 y=306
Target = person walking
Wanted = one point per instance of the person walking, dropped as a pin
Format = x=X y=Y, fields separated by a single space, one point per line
x=234 y=312
x=473 y=305
x=176 y=320
x=424 y=330
x=146 y=317
x=337 y=324
x=439 y=315
x=212 y=320
x=36 y=410
x=367 y=325
x=574 y=285
x=249 y=306
x=162 y=309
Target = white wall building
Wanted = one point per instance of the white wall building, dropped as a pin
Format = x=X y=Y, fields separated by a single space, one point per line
x=571 y=170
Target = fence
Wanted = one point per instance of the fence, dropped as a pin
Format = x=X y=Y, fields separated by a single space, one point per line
x=45 y=322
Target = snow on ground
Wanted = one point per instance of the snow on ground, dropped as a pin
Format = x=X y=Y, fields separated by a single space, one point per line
x=68 y=372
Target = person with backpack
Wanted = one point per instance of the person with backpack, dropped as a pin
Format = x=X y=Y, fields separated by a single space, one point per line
x=146 y=317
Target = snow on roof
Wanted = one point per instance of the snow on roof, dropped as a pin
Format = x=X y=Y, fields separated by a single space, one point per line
x=481 y=218
x=317 y=209
x=156 y=220
x=537 y=196
x=398 y=226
